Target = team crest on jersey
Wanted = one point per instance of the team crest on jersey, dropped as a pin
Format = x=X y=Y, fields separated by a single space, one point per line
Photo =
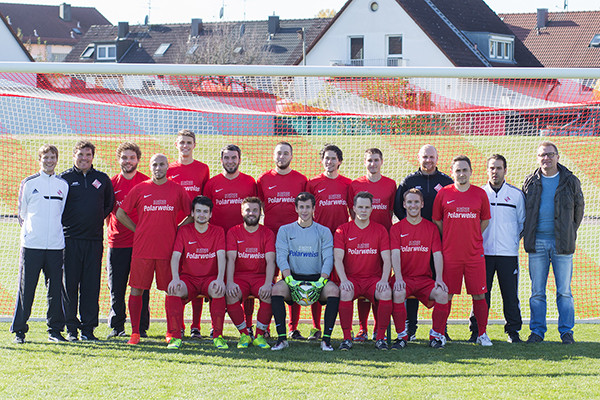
x=507 y=199
x=34 y=191
x=96 y=184
x=59 y=192
x=438 y=187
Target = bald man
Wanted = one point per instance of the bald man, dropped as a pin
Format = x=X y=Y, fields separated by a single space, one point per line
x=157 y=202
x=429 y=180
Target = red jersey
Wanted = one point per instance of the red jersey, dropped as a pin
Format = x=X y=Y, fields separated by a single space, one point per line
x=157 y=208
x=383 y=191
x=199 y=250
x=192 y=177
x=118 y=235
x=416 y=244
x=461 y=214
x=278 y=193
x=331 y=209
x=362 y=248
x=251 y=248
x=227 y=196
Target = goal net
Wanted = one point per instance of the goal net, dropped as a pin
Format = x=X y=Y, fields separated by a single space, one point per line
x=476 y=112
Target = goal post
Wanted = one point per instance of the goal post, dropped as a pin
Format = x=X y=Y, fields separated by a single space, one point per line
x=472 y=111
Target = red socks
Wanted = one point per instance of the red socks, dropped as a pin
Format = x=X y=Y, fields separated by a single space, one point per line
x=174 y=308
x=217 y=315
x=440 y=317
x=399 y=314
x=294 y=311
x=263 y=318
x=316 y=309
x=196 y=312
x=237 y=316
x=346 y=310
x=481 y=311
x=384 y=311
x=135 y=312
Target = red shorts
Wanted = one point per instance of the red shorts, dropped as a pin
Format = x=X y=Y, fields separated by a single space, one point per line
x=419 y=287
x=365 y=287
x=197 y=285
x=249 y=284
x=474 y=273
x=142 y=273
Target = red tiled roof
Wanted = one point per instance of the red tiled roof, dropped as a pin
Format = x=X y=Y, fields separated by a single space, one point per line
x=47 y=23
x=564 y=42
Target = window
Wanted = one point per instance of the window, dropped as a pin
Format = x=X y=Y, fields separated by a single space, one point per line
x=106 y=52
x=595 y=41
x=501 y=48
x=394 y=50
x=88 y=52
x=162 y=49
x=357 y=51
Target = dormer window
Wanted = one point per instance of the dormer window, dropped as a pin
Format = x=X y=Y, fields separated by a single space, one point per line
x=501 y=48
x=106 y=52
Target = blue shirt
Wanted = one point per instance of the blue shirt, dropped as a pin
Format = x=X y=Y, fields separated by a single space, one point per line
x=545 y=223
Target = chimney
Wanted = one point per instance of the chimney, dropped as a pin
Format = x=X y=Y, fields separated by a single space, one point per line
x=542 y=17
x=273 y=24
x=196 y=27
x=64 y=12
x=123 y=30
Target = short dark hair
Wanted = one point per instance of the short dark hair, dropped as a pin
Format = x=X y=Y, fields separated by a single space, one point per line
x=363 y=195
x=252 y=200
x=286 y=144
x=374 y=150
x=188 y=133
x=334 y=148
x=129 y=146
x=231 y=147
x=414 y=191
x=462 y=157
x=305 y=196
x=497 y=157
x=84 y=144
x=47 y=148
x=548 y=143
x=203 y=201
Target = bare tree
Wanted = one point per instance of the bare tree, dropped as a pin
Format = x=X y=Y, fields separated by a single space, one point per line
x=227 y=43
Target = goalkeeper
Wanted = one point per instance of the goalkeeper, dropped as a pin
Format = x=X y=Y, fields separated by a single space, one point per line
x=304 y=252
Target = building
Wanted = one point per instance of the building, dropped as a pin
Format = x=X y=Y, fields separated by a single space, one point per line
x=271 y=41
x=566 y=39
x=50 y=32
x=428 y=33
x=11 y=48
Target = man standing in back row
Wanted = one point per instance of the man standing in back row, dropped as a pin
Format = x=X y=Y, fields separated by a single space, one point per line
x=89 y=202
x=192 y=175
x=429 y=180
x=553 y=212
x=120 y=242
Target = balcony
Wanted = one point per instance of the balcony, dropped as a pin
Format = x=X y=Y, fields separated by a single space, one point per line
x=372 y=62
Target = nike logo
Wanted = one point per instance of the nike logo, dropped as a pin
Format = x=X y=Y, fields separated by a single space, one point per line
x=191 y=242
x=218 y=190
x=353 y=238
x=240 y=241
x=174 y=176
x=450 y=201
x=271 y=187
x=320 y=190
x=147 y=195
x=117 y=191
x=403 y=234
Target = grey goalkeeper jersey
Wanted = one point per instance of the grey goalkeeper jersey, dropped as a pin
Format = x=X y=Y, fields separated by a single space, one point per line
x=305 y=251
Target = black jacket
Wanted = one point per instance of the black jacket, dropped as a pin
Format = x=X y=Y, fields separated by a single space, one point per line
x=568 y=210
x=429 y=185
x=89 y=201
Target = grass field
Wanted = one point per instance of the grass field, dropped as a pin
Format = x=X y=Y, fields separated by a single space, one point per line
x=111 y=369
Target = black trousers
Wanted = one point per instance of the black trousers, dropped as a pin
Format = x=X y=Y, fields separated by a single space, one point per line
x=507 y=269
x=118 y=268
x=32 y=261
x=81 y=278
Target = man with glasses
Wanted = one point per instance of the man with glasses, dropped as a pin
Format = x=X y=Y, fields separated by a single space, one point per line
x=553 y=212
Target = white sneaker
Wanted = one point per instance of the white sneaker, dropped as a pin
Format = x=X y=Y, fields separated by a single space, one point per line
x=326 y=347
x=484 y=340
x=280 y=346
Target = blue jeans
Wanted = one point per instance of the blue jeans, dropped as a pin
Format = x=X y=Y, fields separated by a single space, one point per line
x=539 y=267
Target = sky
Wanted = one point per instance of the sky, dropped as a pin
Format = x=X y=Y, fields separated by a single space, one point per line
x=182 y=11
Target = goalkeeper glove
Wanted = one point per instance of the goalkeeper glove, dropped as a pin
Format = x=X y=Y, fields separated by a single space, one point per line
x=291 y=281
x=314 y=294
x=320 y=284
x=295 y=294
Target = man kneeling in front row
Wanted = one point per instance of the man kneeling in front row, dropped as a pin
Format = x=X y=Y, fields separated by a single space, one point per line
x=304 y=254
